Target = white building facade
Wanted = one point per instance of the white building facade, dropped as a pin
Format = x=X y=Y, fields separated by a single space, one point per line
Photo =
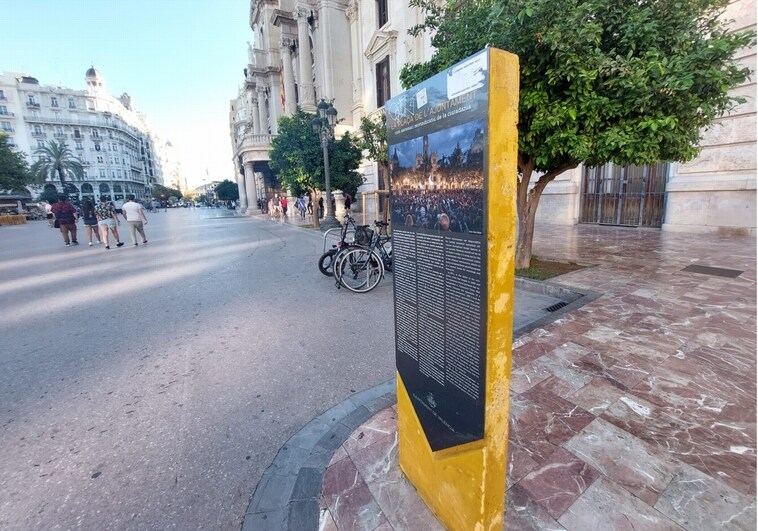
x=351 y=52
x=112 y=140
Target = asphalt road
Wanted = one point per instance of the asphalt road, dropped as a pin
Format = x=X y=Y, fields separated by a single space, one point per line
x=150 y=387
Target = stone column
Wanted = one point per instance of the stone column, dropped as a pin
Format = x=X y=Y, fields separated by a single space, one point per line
x=274 y=104
x=262 y=114
x=256 y=118
x=289 y=77
x=241 y=189
x=252 y=192
x=307 y=101
x=353 y=13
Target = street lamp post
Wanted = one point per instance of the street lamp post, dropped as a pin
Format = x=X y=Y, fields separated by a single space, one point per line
x=324 y=127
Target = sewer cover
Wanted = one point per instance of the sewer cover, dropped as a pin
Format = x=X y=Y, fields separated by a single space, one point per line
x=714 y=271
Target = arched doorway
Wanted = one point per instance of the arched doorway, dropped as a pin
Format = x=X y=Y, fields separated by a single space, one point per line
x=87 y=191
x=71 y=191
x=105 y=190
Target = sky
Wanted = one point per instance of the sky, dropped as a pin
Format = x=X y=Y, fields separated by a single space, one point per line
x=181 y=61
x=443 y=142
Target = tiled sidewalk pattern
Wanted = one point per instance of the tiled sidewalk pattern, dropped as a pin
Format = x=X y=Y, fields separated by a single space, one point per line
x=637 y=411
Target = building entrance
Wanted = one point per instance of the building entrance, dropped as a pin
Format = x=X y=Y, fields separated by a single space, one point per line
x=624 y=195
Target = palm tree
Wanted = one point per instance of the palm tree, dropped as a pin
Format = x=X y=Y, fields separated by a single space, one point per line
x=56 y=157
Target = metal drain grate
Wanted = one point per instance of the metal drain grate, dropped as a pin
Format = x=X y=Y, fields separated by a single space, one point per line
x=714 y=271
x=555 y=307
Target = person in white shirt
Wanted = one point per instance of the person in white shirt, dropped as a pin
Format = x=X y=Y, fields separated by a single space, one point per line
x=135 y=216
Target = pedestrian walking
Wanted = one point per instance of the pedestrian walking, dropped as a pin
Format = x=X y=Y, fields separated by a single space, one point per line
x=283 y=204
x=107 y=219
x=48 y=213
x=348 y=200
x=135 y=217
x=90 y=221
x=301 y=207
x=277 y=203
x=65 y=216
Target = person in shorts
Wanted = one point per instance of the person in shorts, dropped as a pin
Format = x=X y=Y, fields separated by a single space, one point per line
x=107 y=219
x=90 y=220
x=65 y=215
x=134 y=215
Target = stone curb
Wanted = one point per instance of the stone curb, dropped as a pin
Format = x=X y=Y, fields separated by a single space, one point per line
x=287 y=495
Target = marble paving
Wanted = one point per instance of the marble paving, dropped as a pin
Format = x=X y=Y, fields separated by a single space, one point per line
x=636 y=411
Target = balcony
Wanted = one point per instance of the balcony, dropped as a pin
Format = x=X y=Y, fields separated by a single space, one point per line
x=7 y=130
x=33 y=104
x=60 y=135
x=39 y=134
x=254 y=147
x=6 y=113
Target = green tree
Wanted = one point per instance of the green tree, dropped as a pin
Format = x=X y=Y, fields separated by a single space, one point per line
x=226 y=190
x=374 y=141
x=164 y=193
x=14 y=170
x=629 y=82
x=297 y=155
x=56 y=158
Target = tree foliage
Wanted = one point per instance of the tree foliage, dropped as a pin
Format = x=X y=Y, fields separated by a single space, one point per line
x=56 y=159
x=14 y=170
x=226 y=190
x=374 y=137
x=296 y=154
x=629 y=82
x=163 y=192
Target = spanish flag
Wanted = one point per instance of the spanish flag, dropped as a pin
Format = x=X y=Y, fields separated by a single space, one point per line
x=281 y=85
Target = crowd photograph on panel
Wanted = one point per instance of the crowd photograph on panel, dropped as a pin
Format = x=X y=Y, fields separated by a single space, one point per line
x=438 y=180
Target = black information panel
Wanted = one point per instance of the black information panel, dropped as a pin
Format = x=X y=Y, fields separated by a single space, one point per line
x=437 y=144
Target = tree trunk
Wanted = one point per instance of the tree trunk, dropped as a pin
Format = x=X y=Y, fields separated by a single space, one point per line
x=526 y=206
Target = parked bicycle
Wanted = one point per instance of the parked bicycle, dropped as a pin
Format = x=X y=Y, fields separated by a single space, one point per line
x=361 y=235
x=361 y=268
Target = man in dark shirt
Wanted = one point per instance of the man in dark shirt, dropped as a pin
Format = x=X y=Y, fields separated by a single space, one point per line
x=65 y=215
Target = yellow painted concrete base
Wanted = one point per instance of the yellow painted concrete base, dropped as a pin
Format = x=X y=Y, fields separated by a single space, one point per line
x=465 y=485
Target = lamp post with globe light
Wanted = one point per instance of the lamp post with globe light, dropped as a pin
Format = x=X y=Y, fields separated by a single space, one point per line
x=324 y=127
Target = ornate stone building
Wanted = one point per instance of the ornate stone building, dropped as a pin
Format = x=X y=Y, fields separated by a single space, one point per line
x=111 y=138
x=351 y=52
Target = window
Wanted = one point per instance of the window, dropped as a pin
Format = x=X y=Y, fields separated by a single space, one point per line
x=383 y=82
x=100 y=159
x=71 y=103
x=7 y=126
x=40 y=143
x=2 y=95
x=37 y=130
x=95 y=133
x=4 y=110
x=79 y=145
x=53 y=101
x=103 y=175
x=381 y=12
x=31 y=101
x=110 y=134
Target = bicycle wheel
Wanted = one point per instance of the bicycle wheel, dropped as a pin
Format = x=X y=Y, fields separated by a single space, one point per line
x=326 y=263
x=361 y=270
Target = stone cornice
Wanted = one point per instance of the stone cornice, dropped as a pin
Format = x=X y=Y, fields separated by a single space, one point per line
x=381 y=43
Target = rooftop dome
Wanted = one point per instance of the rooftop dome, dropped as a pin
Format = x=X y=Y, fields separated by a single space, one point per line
x=94 y=73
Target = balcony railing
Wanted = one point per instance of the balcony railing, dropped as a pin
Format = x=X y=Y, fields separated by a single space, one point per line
x=60 y=135
x=6 y=113
x=39 y=134
x=8 y=130
x=33 y=104
x=85 y=122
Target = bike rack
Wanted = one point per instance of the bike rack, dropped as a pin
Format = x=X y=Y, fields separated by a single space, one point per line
x=337 y=230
